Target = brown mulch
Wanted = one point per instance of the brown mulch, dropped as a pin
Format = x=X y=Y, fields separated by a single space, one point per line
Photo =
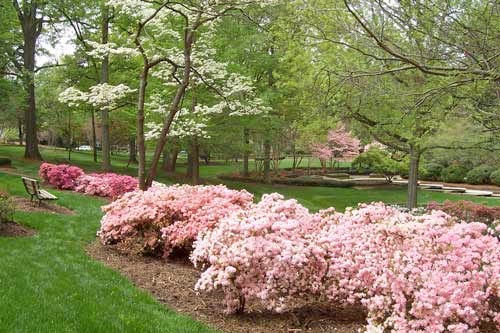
x=13 y=229
x=172 y=282
x=26 y=205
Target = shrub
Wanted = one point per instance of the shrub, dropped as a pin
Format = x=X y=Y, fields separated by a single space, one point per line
x=105 y=184
x=62 y=176
x=265 y=253
x=6 y=207
x=380 y=162
x=162 y=219
x=4 y=161
x=480 y=175
x=432 y=171
x=467 y=211
x=495 y=177
x=454 y=174
x=412 y=273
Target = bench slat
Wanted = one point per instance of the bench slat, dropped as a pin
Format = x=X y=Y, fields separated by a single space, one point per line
x=46 y=195
x=33 y=189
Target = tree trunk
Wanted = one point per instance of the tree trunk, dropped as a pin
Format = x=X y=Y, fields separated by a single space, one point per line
x=413 y=179
x=246 y=152
x=94 y=138
x=20 y=131
x=167 y=160
x=170 y=160
x=141 y=145
x=31 y=31
x=195 y=152
x=132 y=150
x=267 y=161
x=174 y=108
x=105 y=139
x=189 y=166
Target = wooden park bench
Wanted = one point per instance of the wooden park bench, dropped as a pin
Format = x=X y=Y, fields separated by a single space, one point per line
x=33 y=188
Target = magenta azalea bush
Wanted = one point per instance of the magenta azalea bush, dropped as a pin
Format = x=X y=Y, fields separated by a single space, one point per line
x=162 y=219
x=109 y=185
x=62 y=176
x=425 y=273
x=68 y=177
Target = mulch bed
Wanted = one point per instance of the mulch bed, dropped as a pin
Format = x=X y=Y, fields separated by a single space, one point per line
x=26 y=205
x=13 y=229
x=172 y=283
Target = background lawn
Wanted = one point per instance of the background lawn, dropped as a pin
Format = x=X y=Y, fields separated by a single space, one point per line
x=312 y=197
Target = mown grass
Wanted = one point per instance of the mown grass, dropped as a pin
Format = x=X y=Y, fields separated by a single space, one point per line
x=49 y=284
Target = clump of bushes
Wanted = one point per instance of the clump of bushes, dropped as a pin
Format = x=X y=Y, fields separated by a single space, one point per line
x=6 y=207
x=467 y=211
x=479 y=175
x=109 y=185
x=495 y=177
x=69 y=177
x=432 y=171
x=62 y=176
x=379 y=161
x=411 y=273
x=454 y=174
x=163 y=219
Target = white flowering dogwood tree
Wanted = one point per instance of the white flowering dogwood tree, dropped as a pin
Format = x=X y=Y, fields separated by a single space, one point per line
x=181 y=64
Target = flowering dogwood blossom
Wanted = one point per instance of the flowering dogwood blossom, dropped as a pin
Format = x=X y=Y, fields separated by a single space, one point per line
x=103 y=95
x=100 y=51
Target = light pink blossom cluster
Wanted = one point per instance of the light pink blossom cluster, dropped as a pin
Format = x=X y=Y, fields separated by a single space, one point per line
x=163 y=219
x=425 y=273
x=266 y=252
x=62 y=176
x=109 y=185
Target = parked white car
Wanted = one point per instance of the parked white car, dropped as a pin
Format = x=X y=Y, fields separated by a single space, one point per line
x=84 y=148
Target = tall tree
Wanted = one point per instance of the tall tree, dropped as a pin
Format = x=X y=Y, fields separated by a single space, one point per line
x=31 y=20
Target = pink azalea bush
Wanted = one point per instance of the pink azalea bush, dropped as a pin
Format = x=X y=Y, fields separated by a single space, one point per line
x=62 y=176
x=162 y=219
x=425 y=273
x=109 y=185
x=266 y=252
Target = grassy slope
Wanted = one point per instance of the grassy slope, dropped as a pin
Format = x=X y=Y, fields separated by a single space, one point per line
x=49 y=284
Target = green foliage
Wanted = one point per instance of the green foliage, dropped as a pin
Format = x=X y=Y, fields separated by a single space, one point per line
x=379 y=161
x=6 y=207
x=454 y=174
x=480 y=175
x=431 y=171
x=4 y=161
x=495 y=177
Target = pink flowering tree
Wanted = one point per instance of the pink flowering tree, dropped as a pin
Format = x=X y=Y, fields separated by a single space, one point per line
x=339 y=144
